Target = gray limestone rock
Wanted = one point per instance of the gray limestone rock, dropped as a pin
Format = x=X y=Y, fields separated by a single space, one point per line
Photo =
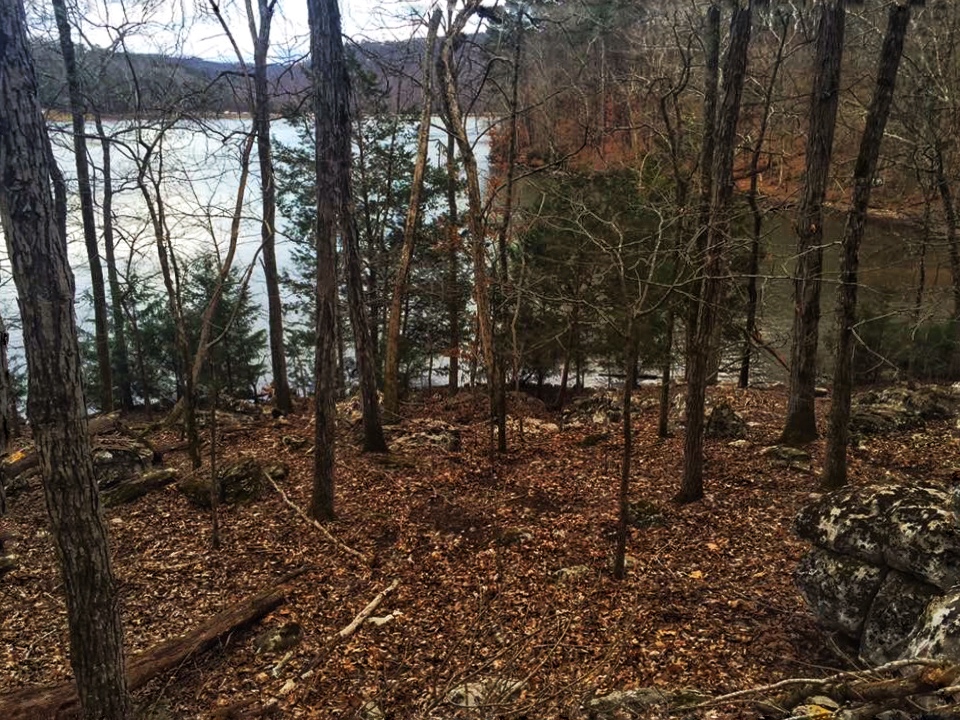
x=894 y=613
x=838 y=588
x=938 y=632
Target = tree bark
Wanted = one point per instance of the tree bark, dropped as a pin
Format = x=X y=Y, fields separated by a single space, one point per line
x=391 y=390
x=331 y=135
x=38 y=252
x=835 y=462
x=753 y=198
x=630 y=372
x=734 y=72
x=953 y=249
x=75 y=92
x=121 y=356
x=801 y=422
x=268 y=197
x=456 y=125
x=453 y=268
x=708 y=143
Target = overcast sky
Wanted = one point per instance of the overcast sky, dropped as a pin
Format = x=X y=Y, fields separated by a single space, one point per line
x=189 y=27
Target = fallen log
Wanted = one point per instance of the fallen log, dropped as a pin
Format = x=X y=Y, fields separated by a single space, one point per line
x=130 y=490
x=60 y=702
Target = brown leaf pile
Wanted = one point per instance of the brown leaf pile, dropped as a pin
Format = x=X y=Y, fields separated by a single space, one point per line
x=503 y=571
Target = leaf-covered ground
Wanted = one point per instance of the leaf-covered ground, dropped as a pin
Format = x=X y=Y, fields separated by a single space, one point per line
x=480 y=551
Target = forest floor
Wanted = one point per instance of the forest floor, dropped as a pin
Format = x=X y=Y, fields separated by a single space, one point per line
x=479 y=552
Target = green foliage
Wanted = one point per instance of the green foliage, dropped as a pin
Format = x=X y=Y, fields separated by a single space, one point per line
x=384 y=147
x=892 y=346
x=235 y=360
x=586 y=255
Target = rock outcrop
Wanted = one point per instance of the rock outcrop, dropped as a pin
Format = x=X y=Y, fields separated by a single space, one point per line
x=898 y=408
x=885 y=568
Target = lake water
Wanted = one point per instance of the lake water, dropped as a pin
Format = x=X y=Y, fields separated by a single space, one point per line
x=201 y=175
x=201 y=169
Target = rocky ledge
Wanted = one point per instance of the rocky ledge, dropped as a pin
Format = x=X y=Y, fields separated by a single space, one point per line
x=884 y=569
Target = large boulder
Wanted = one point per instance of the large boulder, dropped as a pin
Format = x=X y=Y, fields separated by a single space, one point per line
x=838 y=588
x=899 y=408
x=884 y=560
x=724 y=423
x=240 y=481
x=893 y=614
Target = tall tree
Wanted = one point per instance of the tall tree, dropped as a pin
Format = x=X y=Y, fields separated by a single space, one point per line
x=734 y=73
x=38 y=252
x=391 y=394
x=801 y=424
x=455 y=121
x=268 y=196
x=75 y=91
x=120 y=355
x=835 y=464
x=708 y=142
x=332 y=134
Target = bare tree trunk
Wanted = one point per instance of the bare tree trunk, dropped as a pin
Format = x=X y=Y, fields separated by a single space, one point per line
x=37 y=249
x=332 y=139
x=75 y=92
x=268 y=196
x=456 y=125
x=801 y=422
x=953 y=250
x=734 y=72
x=711 y=39
x=663 y=419
x=835 y=462
x=453 y=267
x=121 y=355
x=391 y=391
x=753 y=295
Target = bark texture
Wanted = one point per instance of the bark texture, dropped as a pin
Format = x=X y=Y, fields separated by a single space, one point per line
x=456 y=126
x=708 y=142
x=734 y=72
x=121 y=356
x=324 y=35
x=75 y=93
x=801 y=423
x=835 y=462
x=391 y=390
x=38 y=251
x=268 y=196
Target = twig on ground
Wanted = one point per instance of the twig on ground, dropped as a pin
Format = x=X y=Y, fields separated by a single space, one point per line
x=817 y=682
x=326 y=533
x=367 y=611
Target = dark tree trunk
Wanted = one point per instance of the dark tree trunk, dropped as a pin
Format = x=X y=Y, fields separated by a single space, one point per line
x=663 y=419
x=334 y=157
x=121 y=355
x=835 y=463
x=38 y=251
x=75 y=92
x=801 y=423
x=332 y=135
x=734 y=72
x=268 y=195
x=711 y=39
